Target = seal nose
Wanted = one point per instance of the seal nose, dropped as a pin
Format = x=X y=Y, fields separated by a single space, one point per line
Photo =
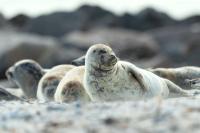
x=113 y=57
x=9 y=74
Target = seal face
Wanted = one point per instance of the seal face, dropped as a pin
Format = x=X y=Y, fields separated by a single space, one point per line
x=194 y=83
x=49 y=82
x=26 y=74
x=107 y=79
x=71 y=87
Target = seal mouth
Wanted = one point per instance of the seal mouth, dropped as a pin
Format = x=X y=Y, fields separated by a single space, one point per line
x=113 y=60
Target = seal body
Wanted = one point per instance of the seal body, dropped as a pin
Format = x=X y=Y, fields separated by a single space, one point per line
x=71 y=87
x=107 y=79
x=26 y=74
x=49 y=82
x=120 y=84
x=178 y=76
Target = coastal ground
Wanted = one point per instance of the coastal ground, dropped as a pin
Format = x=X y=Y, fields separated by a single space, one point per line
x=155 y=116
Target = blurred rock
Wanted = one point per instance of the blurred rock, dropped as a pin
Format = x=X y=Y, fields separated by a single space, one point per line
x=16 y=46
x=87 y=17
x=2 y=21
x=190 y=20
x=83 y=18
x=147 y=19
x=19 y=20
x=179 y=43
x=127 y=44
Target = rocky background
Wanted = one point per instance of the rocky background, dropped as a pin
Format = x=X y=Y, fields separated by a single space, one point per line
x=148 y=39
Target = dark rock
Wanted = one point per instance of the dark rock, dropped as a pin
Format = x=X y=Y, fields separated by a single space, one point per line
x=60 y=23
x=2 y=21
x=87 y=17
x=147 y=19
x=127 y=44
x=190 y=20
x=110 y=121
x=179 y=43
x=19 y=20
x=16 y=46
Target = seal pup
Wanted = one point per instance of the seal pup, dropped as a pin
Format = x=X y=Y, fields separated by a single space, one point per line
x=179 y=75
x=107 y=79
x=49 y=82
x=71 y=87
x=26 y=74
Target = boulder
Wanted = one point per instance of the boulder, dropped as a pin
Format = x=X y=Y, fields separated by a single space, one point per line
x=20 y=20
x=146 y=19
x=88 y=17
x=83 y=18
x=15 y=46
x=179 y=43
x=2 y=21
x=127 y=44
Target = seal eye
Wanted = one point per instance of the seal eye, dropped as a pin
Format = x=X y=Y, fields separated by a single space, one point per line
x=94 y=51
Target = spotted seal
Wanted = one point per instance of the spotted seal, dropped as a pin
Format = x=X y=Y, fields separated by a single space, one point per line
x=49 y=82
x=108 y=79
x=71 y=87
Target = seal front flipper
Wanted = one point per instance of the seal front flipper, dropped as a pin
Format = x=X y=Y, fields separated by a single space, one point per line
x=135 y=73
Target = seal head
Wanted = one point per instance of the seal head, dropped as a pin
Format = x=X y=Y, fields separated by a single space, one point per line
x=26 y=74
x=102 y=59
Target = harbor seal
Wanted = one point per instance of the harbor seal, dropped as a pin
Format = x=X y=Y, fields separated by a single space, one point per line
x=71 y=87
x=108 y=79
x=26 y=74
x=176 y=75
x=179 y=75
x=49 y=82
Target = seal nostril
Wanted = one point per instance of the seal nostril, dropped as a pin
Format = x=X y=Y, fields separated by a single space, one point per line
x=113 y=57
x=9 y=74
